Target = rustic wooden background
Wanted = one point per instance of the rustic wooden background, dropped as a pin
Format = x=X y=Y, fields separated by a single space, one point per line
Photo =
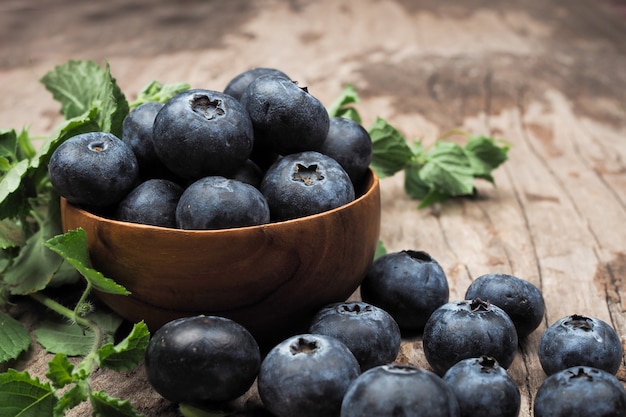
x=548 y=76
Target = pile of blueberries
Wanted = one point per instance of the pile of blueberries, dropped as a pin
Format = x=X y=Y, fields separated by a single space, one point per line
x=346 y=365
x=262 y=150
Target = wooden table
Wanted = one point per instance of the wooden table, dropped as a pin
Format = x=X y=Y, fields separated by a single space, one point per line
x=547 y=76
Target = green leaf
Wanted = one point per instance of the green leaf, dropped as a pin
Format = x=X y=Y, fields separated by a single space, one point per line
x=8 y=149
x=106 y=406
x=485 y=155
x=72 y=397
x=381 y=250
x=414 y=186
x=65 y=338
x=60 y=371
x=72 y=246
x=14 y=193
x=433 y=197
x=127 y=354
x=24 y=396
x=11 y=235
x=80 y=84
x=14 y=338
x=341 y=106
x=158 y=92
x=390 y=151
x=447 y=170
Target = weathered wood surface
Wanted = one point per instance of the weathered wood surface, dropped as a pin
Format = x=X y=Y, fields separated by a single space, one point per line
x=550 y=77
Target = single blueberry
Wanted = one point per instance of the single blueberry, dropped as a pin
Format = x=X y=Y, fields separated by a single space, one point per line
x=305 y=183
x=399 y=390
x=95 y=169
x=306 y=375
x=580 y=391
x=152 y=202
x=467 y=329
x=350 y=144
x=221 y=203
x=371 y=334
x=520 y=299
x=250 y=173
x=241 y=81
x=579 y=340
x=408 y=284
x=202 y=133
x=286 y=118
x=483 y=388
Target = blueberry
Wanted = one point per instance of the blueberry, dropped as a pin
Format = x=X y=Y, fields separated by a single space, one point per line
x=467 y=329
x=399 y=390
x=219 y=203
x=201 y=133
x=349 y=144
x=250 y=173
x=95 y=169
x=520 y=299
x=286 y=118
x=202 y=358
x=580 y=391
x=241 y=81
x=483 y=388
x=408 y=284
x=306 y=375
x=371 y=334
x=578 y=340
x=152 y=202
x=305 y=183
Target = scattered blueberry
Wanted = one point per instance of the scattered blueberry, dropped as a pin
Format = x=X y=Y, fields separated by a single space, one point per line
x=408 y=284
x=483 y=388
x=371 y=334
x=250 y=173
x=152 y=202
x=241 y=81
x=201 y=133
x=520 y=299
x=399 y=390
x=286 y=118
x=580 y=391
x=578 y=340
x=202 y=358
x=219 y=203
x=349 y=144
x=305 y=183
x=95 y=169
x=306 y=375
x=467 y=329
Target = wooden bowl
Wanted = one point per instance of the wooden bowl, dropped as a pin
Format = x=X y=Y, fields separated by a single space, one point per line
x=270 y=278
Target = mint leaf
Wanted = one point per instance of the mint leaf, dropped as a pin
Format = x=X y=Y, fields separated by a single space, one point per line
x=414 y=186
x=64 y=338
x=24 y=396
x=127 y=354
x=390 y=151
x=79 y=85
x=106 y=406
x=485 y=155
x=158 y=92
x=60 y=371
x=72 y=246
x=13 y=194
x=447 y=170
x=11 y=235
x=14 y=338
x=341 y=106
x=381 y=250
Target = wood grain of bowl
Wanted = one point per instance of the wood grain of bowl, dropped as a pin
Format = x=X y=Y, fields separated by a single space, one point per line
x=269 y=278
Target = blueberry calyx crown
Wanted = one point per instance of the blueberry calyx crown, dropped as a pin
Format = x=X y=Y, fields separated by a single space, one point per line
x=419 y=256
x=98 y=146
x=487 y=364
x=309 y=175
x=580 y=373
x=400 y=368
x=479 y=305
x=303 y=345
x=355 y=308
x=577 y=321
x=206 y=107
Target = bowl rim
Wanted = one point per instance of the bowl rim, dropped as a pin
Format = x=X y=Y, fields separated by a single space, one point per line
x=371 y=181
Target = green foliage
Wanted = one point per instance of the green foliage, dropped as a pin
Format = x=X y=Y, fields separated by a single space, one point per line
x=15 y=339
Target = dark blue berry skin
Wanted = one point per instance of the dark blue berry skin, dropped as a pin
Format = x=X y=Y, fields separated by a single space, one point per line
x=483 y=388
x=306 y=375
x=350 y=144
x=95 y=169
x=221 y=203
x=286 y=118
x=202 y=133
x=399 y=390
x=305 y=183
x=580 y=391
x=371 y=334
x=408 y=284
x=468 y=329
x=152 y=202
x=202 y=359
x=250 y=173
x=578 y=340
x=240 y=82
x=520 y=299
